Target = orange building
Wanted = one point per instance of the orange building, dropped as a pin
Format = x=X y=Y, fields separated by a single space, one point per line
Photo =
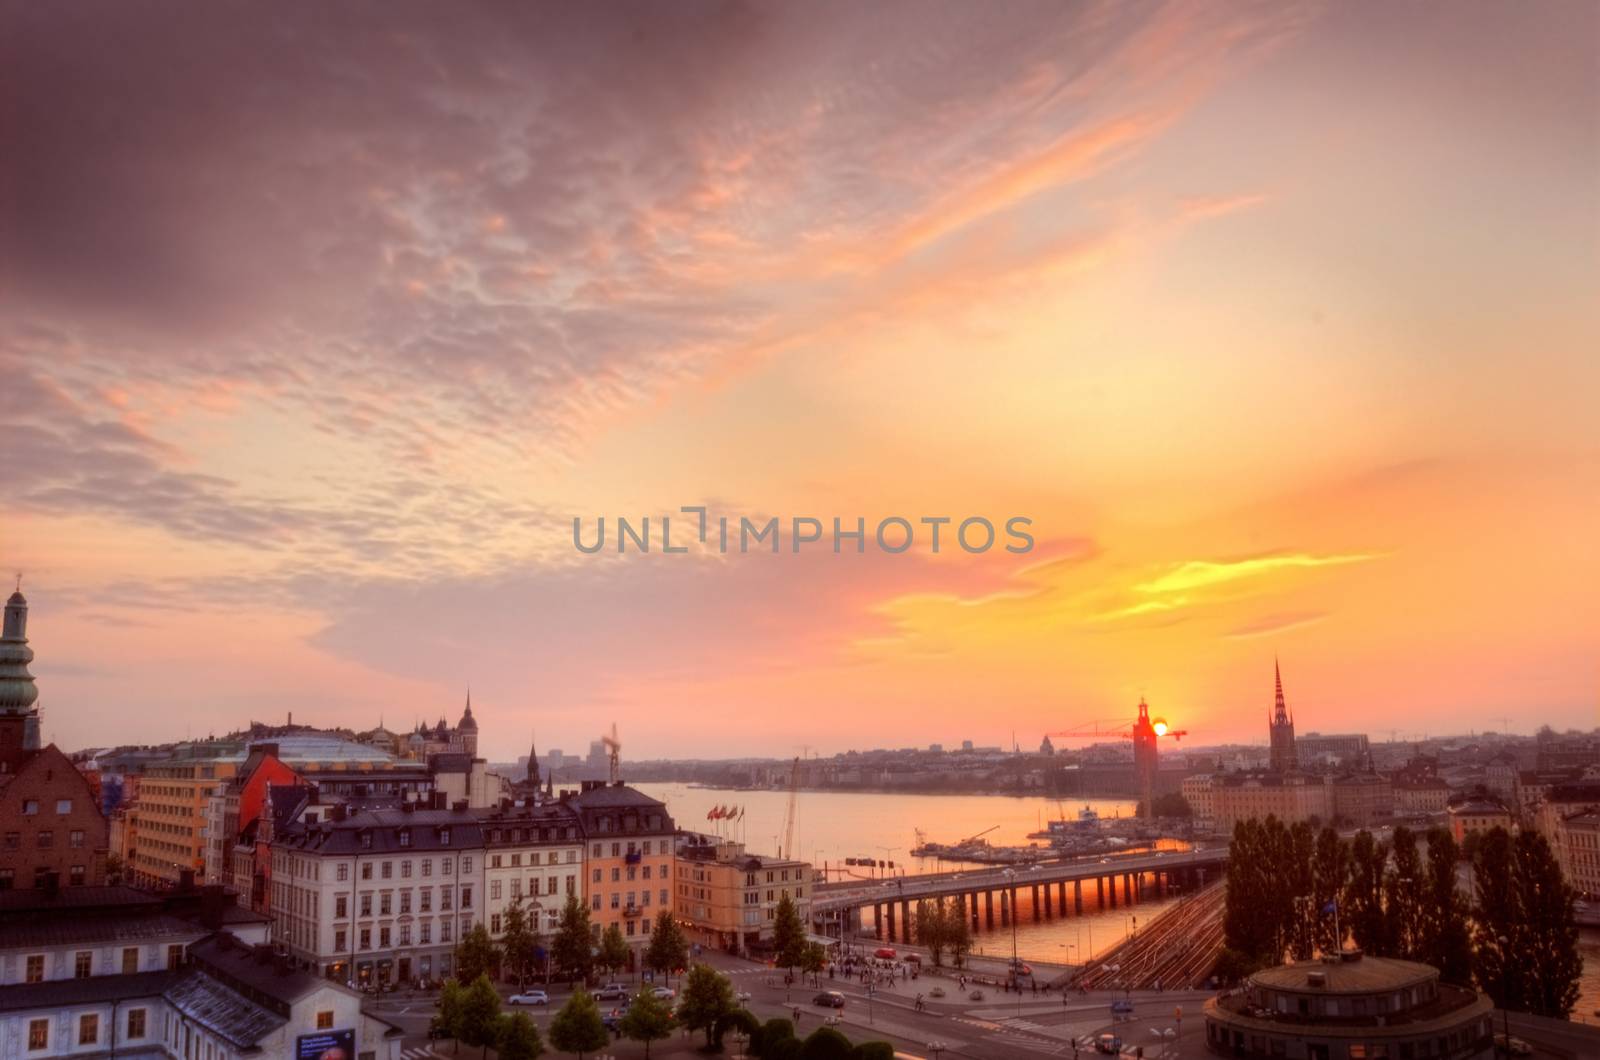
x=629 y=839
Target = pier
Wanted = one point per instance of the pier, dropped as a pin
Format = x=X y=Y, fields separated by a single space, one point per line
x=988 y=897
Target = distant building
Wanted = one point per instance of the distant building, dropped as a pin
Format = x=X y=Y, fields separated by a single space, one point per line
x=1280 y=725
x=1340 y=750
x=1476 y=814
x=726 y=898
x=1348 y=1005
x=1577 y=848
x=1196 y=792
x=1290 y=797
x=1424 y=796
x=1047 y=748
x=1361 y=799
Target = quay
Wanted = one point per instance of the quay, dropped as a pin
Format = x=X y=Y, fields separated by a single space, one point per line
x=838 y=906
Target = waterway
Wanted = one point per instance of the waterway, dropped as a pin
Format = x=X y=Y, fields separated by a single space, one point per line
x=831 y=826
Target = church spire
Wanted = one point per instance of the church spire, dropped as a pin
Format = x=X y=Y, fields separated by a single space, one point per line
x=533 y=762
x=18 y=694
x=1280 y=712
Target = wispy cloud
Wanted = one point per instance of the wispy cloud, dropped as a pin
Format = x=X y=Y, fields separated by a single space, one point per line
x=1203 y=573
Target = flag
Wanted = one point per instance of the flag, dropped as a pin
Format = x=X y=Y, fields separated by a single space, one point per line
x=711 y=814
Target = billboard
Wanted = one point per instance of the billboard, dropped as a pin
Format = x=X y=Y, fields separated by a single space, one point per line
x=326 y=1045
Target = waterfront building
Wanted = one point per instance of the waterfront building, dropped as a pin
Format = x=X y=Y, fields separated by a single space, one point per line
x=1361 y=799
x=1426 y=796
x=532 y=854
x=1280 y=725
x=726 y=899
x=629 y=839
x=1346 y=1006
x=1476 y=814
x=1577 y=848
x=380 y=896
x=1196 y=791
x=1290 y=797
x=52 y=831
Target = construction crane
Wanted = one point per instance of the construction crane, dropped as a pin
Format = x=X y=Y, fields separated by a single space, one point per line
x=978 y=836
x=787 y=850
x=613 y=752
x=1145 y=733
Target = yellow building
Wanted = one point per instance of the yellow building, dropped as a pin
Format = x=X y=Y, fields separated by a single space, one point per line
x=726 y=898
x=1477 y=814
x=629 y=839
x=164 y=833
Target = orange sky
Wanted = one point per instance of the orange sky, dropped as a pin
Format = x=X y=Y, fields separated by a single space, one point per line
x=1278 y=321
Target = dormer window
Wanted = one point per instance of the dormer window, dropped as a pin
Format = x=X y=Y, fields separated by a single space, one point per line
x=405 y=837
x=366 y=840
x=444 y=837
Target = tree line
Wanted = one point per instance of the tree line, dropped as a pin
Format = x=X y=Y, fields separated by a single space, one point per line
x=1294 y=892
x=572 y=953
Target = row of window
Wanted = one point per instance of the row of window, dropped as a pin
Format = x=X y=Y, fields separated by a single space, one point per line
x=555 y=858
x=552 y=885
x=30 y=807
x=77 y=876
x=83 y=963
x=88 y=1029
x=401 y=935
x=43 y=839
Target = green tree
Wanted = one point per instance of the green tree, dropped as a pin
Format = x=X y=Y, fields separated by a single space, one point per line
x=520 y=942
x=707 y=999
x=1172 y=804
x=1363 y=895
x=772 y=1032
x=577 y=1028
x=740 y=1020
x=613 y=955
x=518 y=1038
x=480 y=1014
x=825 y=1043
x=476 y=955
x=448 y=1018
x=1446 y=938
x=647 y=1020
x=1545 y=902
x=1298 y=880
x=814 y=958
x=1251 y=925
x=788 y=934
x=572 y=949
x=668 y=949
x=873 y=1050
x=1497 y=936
x=1330 y=870
x=1405 y=897
x=932 y=929
x=958 y=933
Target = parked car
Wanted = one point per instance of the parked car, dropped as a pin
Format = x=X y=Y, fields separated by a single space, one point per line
x=612 y=992
x=529 y=997
x=1513 y=1045
x=663 y=993
x=829 y=999
x=885 y=952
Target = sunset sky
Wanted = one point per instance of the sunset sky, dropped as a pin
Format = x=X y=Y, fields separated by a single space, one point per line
x=1279 y=322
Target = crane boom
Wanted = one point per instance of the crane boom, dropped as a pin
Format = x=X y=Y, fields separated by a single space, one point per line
x=788 y=818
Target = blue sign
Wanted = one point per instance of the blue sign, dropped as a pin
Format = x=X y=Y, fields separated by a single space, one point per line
x=327 y=1045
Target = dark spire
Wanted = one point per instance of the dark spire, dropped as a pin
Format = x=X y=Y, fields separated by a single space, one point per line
x=1280 y=712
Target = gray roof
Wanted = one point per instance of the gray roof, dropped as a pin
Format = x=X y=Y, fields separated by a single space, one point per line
x=99 y=930
x=97 y=989
x=384 y=827
x=220 y=1010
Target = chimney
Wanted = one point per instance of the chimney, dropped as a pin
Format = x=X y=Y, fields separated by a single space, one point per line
x=268 y=748
x=185 y=880
x=311 y=817
x=505 y=804
x=408 y=807
x=339 y=811
x=459 y=806
x=213 y=899
x=439 y=800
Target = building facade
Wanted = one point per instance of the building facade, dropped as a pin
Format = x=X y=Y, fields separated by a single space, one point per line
x=1476 y=814
x=532 y=855
x=726 y=899
x=629 y=842
x=380 y=896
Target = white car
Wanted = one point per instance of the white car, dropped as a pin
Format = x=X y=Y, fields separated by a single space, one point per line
x=529 y=997
x=663 y=993
x=742 y=996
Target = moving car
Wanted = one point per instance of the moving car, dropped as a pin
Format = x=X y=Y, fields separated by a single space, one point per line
x=612 y=992
x=663 y=993
x=1108 y=1043
x=529 y=997
x=829 y=999
x=885 y=952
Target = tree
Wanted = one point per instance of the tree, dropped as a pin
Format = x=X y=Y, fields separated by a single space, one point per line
x=1363 y=895
x=518 y=1038
x=1330 y=870
x=647 y=1020
x=932 y=929
x=707 y=998
x=668 y=948
x=448 y=1019
x=613 y=955
x=1545 y=902
x=476 y=955
x=1446 y=941
x=788 y=934
x=1298 y=880
x=480 y=1014
x=773 y=1031
x=572 y=949
x=1172 y=804
x=873 y=1050
x=1251 y=924
x=1405 y=890
x=520 y=942
x=958 y=933
x=814 y=958
x=825 y=1043
x=741 y=1020
x=1496 y=934
x=578 y=1028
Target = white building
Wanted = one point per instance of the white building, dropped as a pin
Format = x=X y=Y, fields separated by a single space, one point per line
x=534 y=854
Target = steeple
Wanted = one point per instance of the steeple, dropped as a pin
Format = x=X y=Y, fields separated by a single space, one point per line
x=1280 y=713
x=1280 y=727
x=18 y=693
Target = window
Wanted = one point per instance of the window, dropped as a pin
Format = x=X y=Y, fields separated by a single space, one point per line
x=30 y=807
x=494 y=924
x=366 y=904
x=444 y=839
x=47 y=838
x=366 y=871
x=405 y=837
x=325 y=1020
x=466 y=897
x=13 y=840
x=174 y=956
x=63 y=806
x=425 y=934
x=427 y=866
x=88 y=1028
x=427 y=900
x=130 y=960
x=75 y=838
x=339 y=938
x=405 y=934
x=75 y=876
x=385 y=904
x=38 y=1034
x=343 y=872
x=494 y=889
x=83 y=964
x=341 y=906
x=405 y=867
x=466 y=864
x=35 y=969
x=366 y=938
x=388 y=870
x=136 y=1023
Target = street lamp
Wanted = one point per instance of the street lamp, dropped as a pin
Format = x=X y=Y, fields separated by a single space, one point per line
x=936 y=1048
x=1505 y=1012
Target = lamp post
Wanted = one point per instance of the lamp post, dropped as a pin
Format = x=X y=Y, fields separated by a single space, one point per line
x=1505 y=981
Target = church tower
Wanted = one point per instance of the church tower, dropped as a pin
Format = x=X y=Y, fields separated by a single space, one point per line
x=467 y=730
x=533 y=765
x=19 y=716
x=1281 y=725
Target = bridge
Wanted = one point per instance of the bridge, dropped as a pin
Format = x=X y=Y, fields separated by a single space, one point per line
x=974 y=891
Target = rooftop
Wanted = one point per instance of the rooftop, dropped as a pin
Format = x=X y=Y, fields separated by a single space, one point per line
x=1355 y=974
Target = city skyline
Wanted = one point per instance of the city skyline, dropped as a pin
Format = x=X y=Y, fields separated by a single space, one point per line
x=1276 y=321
